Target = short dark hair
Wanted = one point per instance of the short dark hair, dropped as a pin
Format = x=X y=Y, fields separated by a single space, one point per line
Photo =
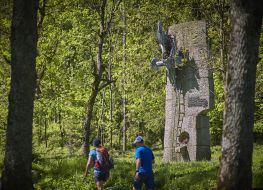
x=96 y=142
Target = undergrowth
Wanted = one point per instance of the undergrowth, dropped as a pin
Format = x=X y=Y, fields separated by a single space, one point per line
x=66 y=172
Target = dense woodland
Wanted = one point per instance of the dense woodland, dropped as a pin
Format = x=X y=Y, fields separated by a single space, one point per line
x=93 y=78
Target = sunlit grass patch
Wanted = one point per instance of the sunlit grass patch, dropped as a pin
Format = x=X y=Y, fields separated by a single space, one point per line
x=257 y=166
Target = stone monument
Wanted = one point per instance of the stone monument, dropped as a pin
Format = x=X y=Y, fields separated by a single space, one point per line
x=189 y=91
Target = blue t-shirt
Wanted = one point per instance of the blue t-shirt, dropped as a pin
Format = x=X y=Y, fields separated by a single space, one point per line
x=146 y=156
x=93 y=155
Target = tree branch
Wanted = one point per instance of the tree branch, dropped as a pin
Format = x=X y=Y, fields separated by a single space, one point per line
x=106 y=84
x=112 y=13
x=42 y=11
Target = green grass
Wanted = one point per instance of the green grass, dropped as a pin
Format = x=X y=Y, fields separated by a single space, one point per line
x=59 y=170
x=257 y=166
x=66 y=173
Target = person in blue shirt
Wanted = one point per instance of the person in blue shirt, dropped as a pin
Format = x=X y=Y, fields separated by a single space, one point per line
x=144 y=160
x=99 y=176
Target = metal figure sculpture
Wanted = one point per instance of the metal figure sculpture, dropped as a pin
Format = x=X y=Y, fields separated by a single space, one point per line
x=171 y=57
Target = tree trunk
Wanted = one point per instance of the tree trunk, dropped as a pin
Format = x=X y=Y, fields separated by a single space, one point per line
x=111 y=109
x=98 y=70
x=124 y=136
x=237 y=142
x=221 y=12
x=45 y=131
x=39 y=129
x=61 y=128
x=110 y=89
x=18 y=152
x=89 y=115
x=123 y=80
x=101 y=124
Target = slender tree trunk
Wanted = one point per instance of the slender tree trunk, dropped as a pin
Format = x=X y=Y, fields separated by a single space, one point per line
x=102 y=118
x=222 y=37
x=89 y=115
x=124 y=125
x=39 y=128
x=110 y=78
x=123 y=80
x=111 y=109
x=98 y=70
x=45 y=129
x=18 y=152
x=237 y=142
x=61 y=128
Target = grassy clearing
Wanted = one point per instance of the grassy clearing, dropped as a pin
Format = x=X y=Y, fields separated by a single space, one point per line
x=66 y=173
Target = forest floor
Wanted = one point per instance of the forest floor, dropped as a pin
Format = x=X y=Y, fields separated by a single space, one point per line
x=56 y=171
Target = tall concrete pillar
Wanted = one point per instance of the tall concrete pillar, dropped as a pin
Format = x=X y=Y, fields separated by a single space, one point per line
x=188 y=104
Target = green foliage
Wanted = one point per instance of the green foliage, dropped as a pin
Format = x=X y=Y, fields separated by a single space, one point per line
x=66 y=50
x=216 y=115
x=257 y=166
x=258 y=127
x=258 y=131
x=5 y=78
x=69 y=171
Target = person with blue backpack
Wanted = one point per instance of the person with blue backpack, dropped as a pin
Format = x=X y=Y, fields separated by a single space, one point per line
x=144 y=160
x=101 y=161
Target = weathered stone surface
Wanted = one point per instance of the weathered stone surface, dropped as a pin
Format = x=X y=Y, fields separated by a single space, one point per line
x=169 y=121
x=188 y=104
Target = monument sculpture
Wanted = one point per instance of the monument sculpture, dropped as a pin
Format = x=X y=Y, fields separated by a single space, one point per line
x=189 y=91
x=171 y=57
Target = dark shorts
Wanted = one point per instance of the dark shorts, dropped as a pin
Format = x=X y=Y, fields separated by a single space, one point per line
x=144 y=178
x=101 y=176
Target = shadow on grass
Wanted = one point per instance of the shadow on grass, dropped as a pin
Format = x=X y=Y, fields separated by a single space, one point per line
x=167 y=176
x=50 y=173
x=121 y=176
x=186 y=180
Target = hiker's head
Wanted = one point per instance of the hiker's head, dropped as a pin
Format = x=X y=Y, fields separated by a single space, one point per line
x=138 y=141
x=96 y=142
